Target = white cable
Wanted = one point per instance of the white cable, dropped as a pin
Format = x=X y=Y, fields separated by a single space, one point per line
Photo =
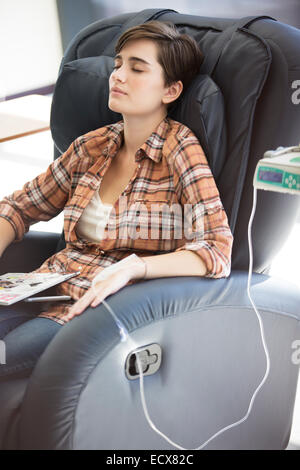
x=236 y=423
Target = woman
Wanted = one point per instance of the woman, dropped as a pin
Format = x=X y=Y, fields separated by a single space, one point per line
x=145 y=160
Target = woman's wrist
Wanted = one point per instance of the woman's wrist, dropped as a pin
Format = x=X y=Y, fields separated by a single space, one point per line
x=139 y=268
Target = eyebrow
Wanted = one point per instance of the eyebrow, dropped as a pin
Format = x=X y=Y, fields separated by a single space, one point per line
x=133 y=59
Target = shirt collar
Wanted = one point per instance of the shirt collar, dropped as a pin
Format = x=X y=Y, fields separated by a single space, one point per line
x=151 y=148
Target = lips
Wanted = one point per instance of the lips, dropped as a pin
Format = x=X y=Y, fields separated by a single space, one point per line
x=117 y=90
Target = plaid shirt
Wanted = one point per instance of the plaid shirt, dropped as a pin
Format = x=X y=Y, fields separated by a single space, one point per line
x=171 y=172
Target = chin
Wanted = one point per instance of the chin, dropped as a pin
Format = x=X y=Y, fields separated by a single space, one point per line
x=114 y=106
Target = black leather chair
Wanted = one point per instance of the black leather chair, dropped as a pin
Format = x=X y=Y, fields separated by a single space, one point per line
x=78 y=396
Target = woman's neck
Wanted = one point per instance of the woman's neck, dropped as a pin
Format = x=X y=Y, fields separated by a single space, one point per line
x=137 y=130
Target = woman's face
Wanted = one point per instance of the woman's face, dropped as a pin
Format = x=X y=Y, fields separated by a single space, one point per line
x=137 y=83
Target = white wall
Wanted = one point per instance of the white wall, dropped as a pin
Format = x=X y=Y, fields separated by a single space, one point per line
x=30 y=45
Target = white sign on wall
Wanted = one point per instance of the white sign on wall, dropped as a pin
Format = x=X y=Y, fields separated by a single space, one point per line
x=31 y=50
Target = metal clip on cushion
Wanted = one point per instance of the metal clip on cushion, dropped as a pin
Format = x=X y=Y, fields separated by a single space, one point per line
x=150 y=359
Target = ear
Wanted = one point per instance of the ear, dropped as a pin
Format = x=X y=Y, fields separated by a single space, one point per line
x=172 y=92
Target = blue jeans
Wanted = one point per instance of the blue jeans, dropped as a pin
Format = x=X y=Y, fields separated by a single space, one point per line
x=25 y=337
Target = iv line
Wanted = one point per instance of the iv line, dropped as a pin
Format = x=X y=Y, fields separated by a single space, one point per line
x=125 y=337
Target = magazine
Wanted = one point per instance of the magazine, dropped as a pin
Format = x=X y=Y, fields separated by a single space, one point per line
x=18 y=286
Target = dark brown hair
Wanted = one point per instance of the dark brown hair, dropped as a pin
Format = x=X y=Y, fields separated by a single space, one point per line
x=178 y=54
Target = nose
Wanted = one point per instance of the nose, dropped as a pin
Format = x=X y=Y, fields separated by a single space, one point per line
x=119 y=74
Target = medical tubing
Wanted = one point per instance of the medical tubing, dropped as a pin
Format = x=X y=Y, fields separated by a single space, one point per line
x=125 y=336
x=122 y=330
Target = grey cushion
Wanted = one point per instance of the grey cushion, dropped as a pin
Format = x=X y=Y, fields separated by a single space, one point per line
x=80 y=101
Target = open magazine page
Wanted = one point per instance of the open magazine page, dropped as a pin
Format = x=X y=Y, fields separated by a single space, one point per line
x=18 y=286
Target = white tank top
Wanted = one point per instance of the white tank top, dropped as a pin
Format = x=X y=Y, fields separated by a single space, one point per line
x=93 y=220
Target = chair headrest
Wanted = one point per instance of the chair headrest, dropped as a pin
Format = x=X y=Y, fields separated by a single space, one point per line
x=80 y=104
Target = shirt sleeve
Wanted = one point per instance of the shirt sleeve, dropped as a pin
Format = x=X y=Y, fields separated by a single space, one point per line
x=206 y=229
x=42 y=198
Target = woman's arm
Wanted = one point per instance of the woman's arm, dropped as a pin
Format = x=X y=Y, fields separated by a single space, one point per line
x=178 y=263
x=7 y=235
x=181 y=263
x=209 y=234
x=39 y=200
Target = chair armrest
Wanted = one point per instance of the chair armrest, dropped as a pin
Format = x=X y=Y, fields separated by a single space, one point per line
x=29 y=253
x=210 y=339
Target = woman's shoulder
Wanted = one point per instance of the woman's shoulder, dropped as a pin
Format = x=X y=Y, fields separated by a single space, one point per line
x=180 y=138
x=88 y=147
x=180 y=131
x=100 y=136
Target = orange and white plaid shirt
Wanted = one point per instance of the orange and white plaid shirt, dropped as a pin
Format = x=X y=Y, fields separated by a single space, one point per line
x=171 y=174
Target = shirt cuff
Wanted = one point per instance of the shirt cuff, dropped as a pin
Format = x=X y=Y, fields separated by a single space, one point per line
x=11 y=215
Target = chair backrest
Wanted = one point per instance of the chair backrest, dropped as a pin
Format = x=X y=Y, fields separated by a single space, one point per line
x=246 y=106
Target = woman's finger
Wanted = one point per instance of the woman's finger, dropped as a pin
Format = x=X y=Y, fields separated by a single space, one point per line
x=98 y=292
x=82 y=303
x=97 y=300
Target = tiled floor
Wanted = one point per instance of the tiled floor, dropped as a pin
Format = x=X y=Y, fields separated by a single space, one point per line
x=23 y=159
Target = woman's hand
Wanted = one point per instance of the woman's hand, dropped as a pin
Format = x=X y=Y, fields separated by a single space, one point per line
x=103 y=288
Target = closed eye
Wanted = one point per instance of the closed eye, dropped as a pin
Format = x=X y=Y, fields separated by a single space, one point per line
x=134 y=70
